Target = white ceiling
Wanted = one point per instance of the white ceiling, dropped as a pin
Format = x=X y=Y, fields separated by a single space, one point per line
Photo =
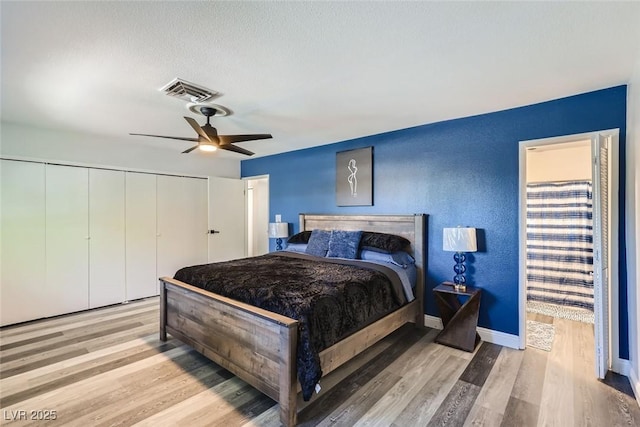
x=310 y=73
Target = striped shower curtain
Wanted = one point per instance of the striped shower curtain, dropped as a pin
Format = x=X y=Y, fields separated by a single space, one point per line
x=560 y=243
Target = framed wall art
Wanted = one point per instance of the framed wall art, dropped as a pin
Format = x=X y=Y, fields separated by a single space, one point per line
x=354 y=177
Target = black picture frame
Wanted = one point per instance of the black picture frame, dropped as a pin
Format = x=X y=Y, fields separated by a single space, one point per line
x=354 y=177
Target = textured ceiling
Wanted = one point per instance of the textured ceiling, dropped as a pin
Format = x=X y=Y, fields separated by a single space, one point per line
x=310 y=73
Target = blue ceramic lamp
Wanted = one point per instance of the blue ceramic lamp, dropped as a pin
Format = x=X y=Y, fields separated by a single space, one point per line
x=459 y=240
x=278 y=230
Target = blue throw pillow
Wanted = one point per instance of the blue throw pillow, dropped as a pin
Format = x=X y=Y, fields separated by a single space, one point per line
x=318 y=243
x=344 y=244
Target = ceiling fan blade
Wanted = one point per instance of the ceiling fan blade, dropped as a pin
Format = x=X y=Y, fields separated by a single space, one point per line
x=196 y=127
x=230 y=139
x=236 y=149
x=188 y=150
x=212 y=134
x=179 y=138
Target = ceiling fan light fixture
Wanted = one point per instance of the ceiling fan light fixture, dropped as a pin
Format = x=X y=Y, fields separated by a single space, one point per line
x=207 y=147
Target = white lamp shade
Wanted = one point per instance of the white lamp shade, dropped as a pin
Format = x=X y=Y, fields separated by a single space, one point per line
x=278 y=229
x=459 y=239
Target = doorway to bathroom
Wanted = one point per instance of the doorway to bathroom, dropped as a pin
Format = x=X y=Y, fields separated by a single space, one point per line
x=568 y=246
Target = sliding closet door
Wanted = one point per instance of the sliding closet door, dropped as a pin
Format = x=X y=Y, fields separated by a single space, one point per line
x=195 y=220
x=182 y=223
x=107 y=242
x=142 y=280
x=22 y=238
x=67 y=239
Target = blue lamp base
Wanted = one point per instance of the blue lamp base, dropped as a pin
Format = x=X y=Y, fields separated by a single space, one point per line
x=278 y=244
x=459 y=280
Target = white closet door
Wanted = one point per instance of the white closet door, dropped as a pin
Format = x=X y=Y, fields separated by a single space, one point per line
x=22 y=238
x=182 y=209
x=141 y=277
x=227 y=218
x=196 y=220
x=107 y=240
x=67 y=239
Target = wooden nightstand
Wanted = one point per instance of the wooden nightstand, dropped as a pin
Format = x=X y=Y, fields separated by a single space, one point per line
x=459 y=320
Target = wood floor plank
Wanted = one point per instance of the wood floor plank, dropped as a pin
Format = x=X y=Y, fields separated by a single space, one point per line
x=557 y=400
x=34 y=340
x=530 y=379
x=520 y=413
x=498 y=386
x=481 y=364
x=47 y=359
x=481 y=416
x=456 y=406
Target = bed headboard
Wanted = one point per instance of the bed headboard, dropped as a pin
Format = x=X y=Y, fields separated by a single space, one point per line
x=411 y=227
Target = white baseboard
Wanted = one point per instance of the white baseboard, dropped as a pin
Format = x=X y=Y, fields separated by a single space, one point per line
x=488 y=335
x=635 y=384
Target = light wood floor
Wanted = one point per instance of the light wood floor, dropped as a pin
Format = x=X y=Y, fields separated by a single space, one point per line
x=107 y=367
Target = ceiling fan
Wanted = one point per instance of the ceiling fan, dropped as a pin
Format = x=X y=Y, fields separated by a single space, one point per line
x=208 y=138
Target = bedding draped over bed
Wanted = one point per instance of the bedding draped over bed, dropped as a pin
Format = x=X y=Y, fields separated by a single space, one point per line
x=330 y=298
x=560 y=243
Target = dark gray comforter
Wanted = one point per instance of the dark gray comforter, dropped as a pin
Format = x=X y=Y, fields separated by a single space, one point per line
x=331 y=298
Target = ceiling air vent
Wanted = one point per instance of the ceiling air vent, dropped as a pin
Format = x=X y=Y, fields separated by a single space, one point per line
x=188 y=91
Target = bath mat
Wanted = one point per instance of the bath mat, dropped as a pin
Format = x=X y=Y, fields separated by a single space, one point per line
x=540 y=335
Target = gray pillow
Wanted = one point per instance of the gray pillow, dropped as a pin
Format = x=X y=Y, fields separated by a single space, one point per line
x=318 y=243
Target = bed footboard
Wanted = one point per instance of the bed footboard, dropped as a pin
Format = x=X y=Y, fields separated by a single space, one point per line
x=256 y=345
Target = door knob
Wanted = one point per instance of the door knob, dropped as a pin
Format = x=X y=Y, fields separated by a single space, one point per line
x=214 y=231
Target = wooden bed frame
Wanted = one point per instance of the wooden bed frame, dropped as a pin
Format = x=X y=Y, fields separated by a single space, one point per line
x=259 y=346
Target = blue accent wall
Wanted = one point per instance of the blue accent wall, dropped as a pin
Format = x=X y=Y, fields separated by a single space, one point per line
x=459 y=172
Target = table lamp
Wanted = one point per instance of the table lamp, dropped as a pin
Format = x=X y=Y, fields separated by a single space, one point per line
x=459 y=240
x=278 y=230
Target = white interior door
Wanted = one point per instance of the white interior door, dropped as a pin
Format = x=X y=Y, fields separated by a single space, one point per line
x=22 y=242
x=67 y=239
x=107 y=237
x=258 y=216
x=601 y=280
x=141 y=278
x=227 y=238
x=182 y=223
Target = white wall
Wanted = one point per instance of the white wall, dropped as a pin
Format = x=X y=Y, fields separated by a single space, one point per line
x=561 y=162
x=633 y=224
x=162 y=156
